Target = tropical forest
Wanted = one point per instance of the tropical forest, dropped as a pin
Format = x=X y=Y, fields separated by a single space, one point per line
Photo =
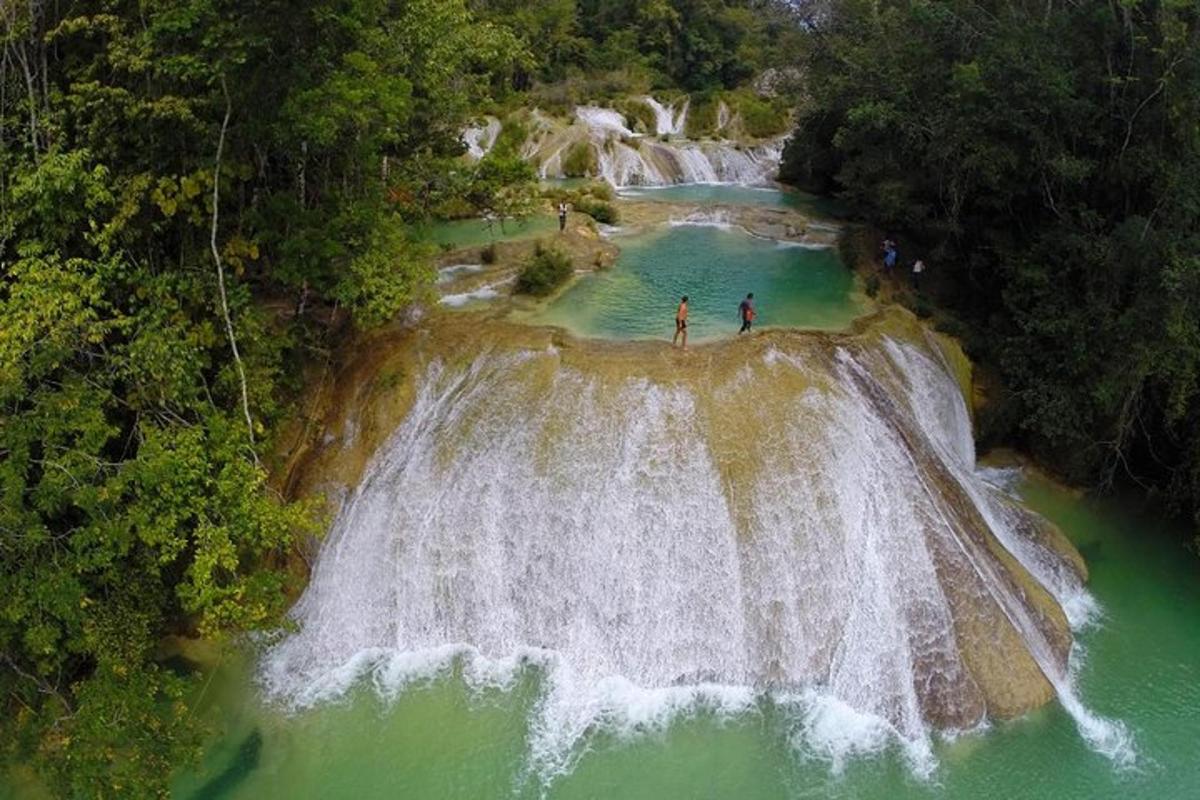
x=561 y=399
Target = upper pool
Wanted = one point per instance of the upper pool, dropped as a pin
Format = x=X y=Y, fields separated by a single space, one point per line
x=716 y=267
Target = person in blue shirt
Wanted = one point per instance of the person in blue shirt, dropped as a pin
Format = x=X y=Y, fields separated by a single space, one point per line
x=889 y=255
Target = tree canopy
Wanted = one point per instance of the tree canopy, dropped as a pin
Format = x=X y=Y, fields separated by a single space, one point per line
x=1045 y=159
x=696 y=45
x=176 y=177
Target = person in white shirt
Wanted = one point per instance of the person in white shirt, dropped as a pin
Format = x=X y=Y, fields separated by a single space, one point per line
x=917 y=268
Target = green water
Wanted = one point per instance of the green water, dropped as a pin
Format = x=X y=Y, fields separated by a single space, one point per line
x=733 y=194
x=477 y=232
x=439 y=740
x=715 y=268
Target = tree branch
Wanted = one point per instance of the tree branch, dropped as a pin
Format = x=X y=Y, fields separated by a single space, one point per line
x=216 y=253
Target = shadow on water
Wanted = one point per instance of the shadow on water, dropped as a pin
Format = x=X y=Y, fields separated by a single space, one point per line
x=1092 y=552
x=244 y=762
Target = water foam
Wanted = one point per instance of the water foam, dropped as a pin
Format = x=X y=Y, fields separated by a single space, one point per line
x=481 y=294
x=453 y=272
x=668 y=121
x=480 y=139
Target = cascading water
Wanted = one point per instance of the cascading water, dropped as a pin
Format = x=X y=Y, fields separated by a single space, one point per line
x=723 y=116
x=603 y=121
x=799 y=520
x=667 y=121
x=479 y=139
x=625 y=158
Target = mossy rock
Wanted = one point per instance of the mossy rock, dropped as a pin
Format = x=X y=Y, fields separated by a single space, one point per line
x=580 y=161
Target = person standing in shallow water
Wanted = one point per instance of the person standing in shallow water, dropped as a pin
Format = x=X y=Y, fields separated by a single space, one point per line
x=562 y=217
x=681 y=315
x=746 y=312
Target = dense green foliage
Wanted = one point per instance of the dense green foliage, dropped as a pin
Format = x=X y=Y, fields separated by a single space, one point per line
x=131 y=429
x=546 y=270
x=1044 y=159
x=758 y=117
x=692 y=44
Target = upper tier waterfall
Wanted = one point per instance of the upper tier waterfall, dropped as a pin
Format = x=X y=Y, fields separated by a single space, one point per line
x=624 y=157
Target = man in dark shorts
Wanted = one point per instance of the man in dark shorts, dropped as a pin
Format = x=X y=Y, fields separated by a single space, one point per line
x=681 y=322
x=746 y=312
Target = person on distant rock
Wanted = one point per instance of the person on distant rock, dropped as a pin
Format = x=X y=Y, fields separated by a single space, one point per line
x=889 y=255
x=562 y=217
x=917 y=268
x=681 y=322
x=746 y=312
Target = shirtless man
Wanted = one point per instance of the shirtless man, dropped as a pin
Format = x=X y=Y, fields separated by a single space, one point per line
x=681 y=322
x=746 y=312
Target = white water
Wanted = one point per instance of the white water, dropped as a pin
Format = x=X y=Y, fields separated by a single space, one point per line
x=668 y=121
x=479 y=139
x=455 y=271
x=716 y=218
x=646 y=555
x=489 y=291
x=603 y=121
x=623 y=165
x=948 y=427
x=625 y=158
x=723 y=116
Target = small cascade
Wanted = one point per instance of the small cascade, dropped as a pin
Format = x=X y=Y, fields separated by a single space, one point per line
x=668 y=122
x=723 y=116
x=480 y=139
x=603 y=121
x=453 y=272
x=800 y=522
x=623 y=165
x=714 y=218
x=624 y=158
x=488 y=291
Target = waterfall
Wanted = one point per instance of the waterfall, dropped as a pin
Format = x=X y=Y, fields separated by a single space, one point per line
x=625 y=158
x=801 y=523
x=479 y=139
x=451 y=273
x=668 y=122
x=603 y=121
x=723 y=116
x=622 y=165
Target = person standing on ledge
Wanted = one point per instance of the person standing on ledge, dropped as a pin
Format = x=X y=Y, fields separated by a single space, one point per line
x=746 y=312
x=681 y=322
x=562 y=216
x=889 y=255
x=918 y=268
